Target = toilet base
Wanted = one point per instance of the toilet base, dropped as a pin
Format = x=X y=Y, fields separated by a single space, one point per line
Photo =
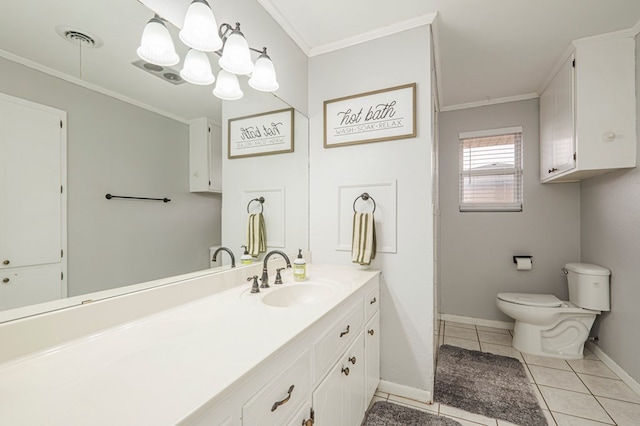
x=564 y=340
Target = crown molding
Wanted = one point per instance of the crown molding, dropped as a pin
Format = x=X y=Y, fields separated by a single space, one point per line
x=488 y=102
x=375 y=34
x=286 y=26
x=90 y=86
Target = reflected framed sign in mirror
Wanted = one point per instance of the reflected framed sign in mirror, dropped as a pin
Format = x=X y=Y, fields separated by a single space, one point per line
x=261 y=134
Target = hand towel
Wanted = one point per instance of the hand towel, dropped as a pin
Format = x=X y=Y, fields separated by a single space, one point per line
x=363 y=243
x=256 y=235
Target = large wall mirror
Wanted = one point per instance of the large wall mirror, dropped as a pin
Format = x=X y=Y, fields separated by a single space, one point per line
x=127 y=134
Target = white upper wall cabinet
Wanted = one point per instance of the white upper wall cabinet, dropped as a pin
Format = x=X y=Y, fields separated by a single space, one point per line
x=588 y=112
x=205 y=156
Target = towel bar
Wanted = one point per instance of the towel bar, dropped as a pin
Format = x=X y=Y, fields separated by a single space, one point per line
x=109 y=197
x=260 y=200
x=365 y=196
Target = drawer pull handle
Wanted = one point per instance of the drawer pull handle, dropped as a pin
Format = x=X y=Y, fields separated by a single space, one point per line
x=6 y=280
x=345 y=370
x=370 y=332
x=284 y=401
x=352 y=360
x=374 y=300
x=345 y=332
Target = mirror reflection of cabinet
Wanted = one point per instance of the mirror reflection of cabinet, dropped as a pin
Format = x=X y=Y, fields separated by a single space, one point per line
x=205 y=156
x=32 y=203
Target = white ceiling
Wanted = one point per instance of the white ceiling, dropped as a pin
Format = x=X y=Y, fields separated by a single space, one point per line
x=487 y=49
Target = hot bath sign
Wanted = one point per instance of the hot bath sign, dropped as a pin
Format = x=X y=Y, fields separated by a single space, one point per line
x=376 y=116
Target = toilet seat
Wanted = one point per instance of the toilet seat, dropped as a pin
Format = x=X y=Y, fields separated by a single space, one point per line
x=530 y=299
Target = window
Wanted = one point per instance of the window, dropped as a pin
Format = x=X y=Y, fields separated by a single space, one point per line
x=491 y=170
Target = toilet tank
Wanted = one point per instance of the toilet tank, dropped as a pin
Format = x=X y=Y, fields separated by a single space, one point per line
x=588 y=285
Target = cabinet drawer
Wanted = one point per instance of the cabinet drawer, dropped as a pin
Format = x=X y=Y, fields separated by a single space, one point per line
x=372 y=301
x=279 y=400
x=337 y=339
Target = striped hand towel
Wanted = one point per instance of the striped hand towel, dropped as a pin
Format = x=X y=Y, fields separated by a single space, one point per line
x=256 y=235
x=363 y=243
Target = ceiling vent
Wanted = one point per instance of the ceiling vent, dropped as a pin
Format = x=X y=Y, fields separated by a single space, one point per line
x=78 y=36
x=167 y=74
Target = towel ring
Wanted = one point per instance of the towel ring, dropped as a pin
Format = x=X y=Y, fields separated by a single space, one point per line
x=260 y=200
x=365 y=196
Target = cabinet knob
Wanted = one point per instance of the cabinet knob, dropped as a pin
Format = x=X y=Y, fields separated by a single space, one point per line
x=352 y=360
x=6 y=262
x=345 y=371
x=311 y=420
x=553 y=170
x=608 y=136
x=371 y=332
x=374 y=300
x=5 y=280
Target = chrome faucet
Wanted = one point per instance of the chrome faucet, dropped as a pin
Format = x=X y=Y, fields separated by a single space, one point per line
x=265 y=275
x=233 y=259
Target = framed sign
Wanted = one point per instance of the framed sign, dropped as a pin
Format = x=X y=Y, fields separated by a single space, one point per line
x=381 y=115
x=261 y=134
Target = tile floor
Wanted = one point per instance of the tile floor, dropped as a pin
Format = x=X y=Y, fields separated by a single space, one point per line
x=572 y=393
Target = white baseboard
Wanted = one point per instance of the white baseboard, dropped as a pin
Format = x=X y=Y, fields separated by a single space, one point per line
x=477 y=321
x=405 y=391
x=630 y=381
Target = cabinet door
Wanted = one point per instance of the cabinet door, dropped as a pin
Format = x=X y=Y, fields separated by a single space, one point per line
x=356 y=382
x=339 y=399
x=31 y=158
x=215 y=158
x=330 y=399
x=557 y=129
x=564 y=128
x=32 y=284
x=372 y=356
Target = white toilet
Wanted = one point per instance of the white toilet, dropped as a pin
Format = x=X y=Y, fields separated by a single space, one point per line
x=548 y=326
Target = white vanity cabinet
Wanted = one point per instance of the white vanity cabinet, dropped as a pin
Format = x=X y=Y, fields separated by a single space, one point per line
x=327 y=375
x=205 y=156
x=227 y=358
x=588 y=111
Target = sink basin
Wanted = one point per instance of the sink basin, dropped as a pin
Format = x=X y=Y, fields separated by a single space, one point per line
x=300 y=295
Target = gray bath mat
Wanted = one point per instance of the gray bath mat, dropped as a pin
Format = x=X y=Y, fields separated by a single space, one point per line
x=384 y=413
x=491 y=385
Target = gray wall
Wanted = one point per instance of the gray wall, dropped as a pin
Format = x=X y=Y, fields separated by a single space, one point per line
x=406 y=294
x=477 y=248
x=114 y=147
x=610 y=230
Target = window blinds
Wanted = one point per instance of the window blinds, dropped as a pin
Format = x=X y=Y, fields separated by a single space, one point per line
x=491 y=170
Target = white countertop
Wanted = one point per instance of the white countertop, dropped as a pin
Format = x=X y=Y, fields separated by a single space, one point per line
x=160 y=368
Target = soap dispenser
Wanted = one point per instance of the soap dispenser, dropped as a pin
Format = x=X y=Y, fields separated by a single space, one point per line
x=299 y=268
x=246 y=258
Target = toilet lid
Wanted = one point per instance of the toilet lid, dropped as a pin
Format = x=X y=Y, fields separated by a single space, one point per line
x=541 y=300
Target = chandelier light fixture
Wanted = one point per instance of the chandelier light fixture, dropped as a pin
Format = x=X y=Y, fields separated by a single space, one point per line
x=202 y=35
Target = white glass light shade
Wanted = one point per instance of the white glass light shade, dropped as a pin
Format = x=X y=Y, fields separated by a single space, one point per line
x=200 y=30
x=236 y=57
x=227 y=87
x=156 y=46
x=264 y=75
x=197 y=68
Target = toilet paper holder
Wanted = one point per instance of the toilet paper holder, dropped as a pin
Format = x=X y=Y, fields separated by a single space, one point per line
x=515 y=258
